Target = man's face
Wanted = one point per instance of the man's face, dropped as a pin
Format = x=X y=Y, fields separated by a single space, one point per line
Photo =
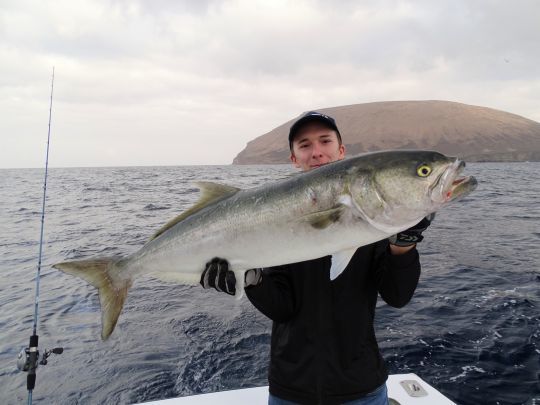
x=315 y=145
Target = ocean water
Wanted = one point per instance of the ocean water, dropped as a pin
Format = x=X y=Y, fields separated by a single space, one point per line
x=472 y=329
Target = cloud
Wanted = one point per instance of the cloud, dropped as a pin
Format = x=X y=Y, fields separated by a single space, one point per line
x=183 y=82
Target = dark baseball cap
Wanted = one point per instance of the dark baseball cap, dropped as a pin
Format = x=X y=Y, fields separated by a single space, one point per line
x=311 y=116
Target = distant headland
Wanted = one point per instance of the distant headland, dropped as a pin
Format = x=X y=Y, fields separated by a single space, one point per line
x=475 y=134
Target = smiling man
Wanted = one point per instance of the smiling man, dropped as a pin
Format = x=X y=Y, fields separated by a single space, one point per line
x=323 y=345
x=314 y=140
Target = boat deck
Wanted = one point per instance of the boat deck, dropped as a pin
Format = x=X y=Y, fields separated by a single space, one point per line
x=427 y=395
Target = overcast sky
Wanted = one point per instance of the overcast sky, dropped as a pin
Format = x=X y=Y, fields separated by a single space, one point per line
x=172 y=82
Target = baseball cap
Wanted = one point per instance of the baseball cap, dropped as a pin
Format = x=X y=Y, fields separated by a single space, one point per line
x=311 y=116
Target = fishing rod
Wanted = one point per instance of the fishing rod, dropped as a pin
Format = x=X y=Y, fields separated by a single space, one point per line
x=29 y=357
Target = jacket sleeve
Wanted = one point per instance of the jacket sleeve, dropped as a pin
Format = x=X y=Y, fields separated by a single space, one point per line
x=396 y=276
x=274 y=295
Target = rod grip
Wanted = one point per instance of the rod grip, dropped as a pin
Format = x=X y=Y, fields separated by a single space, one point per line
x=31 y=380
x=33 y=359
x=34 y=341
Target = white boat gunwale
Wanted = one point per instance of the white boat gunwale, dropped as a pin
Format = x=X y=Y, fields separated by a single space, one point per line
x=259 y=395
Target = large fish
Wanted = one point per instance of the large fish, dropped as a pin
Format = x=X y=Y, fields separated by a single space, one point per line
x=331 y=210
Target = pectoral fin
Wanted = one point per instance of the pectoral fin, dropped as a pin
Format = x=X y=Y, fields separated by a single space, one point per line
x=340 y=260
x=323 y=219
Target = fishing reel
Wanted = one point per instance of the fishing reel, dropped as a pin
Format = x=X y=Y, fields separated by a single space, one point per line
x=29 y=359
x=24 y=360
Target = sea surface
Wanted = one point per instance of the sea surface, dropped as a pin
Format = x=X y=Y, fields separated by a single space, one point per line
x=472 y=329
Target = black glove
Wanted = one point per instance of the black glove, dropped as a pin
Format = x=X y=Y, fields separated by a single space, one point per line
x=412 y=235
x=217 y=275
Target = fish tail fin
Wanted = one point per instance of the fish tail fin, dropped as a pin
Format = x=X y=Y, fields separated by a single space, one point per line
x=102 y=273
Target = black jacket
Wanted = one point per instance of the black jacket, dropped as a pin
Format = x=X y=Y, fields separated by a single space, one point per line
x=323 y=348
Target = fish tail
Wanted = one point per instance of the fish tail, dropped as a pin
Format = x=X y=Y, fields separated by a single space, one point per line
x=104 y=274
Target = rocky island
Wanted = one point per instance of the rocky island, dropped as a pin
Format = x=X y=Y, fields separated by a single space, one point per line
x=475 y=134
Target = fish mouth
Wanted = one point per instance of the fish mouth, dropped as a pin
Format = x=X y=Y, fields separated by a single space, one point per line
x=450 y=186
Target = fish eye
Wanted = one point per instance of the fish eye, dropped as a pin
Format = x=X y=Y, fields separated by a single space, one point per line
x=423 y=170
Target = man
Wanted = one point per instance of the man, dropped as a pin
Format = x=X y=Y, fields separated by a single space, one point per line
x=323 y=346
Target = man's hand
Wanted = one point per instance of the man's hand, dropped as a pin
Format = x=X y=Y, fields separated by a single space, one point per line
x=217 y=275
x=412 y=235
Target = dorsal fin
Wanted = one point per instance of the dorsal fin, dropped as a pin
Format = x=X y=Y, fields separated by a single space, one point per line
x=210 y=193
